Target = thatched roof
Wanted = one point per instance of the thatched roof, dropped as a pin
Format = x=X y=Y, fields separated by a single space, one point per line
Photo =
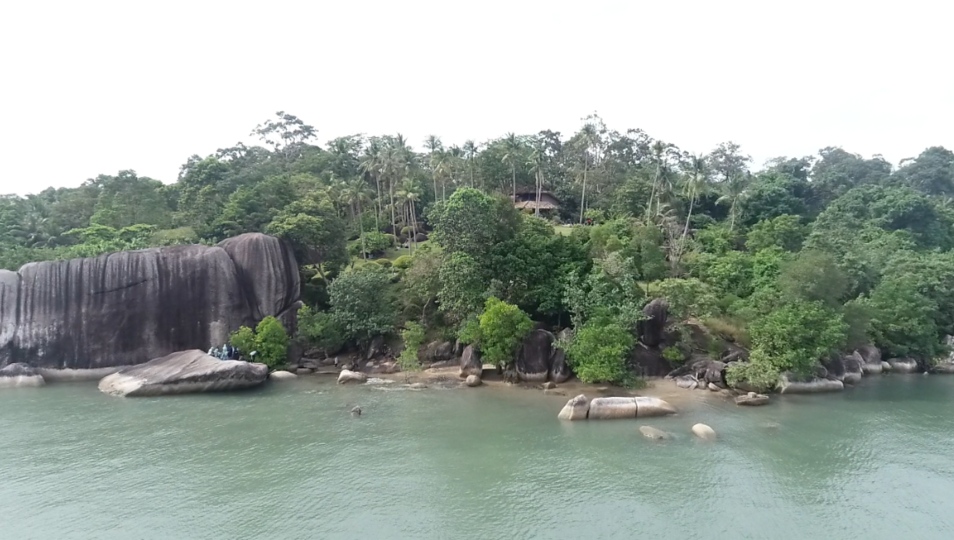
x=532 y=205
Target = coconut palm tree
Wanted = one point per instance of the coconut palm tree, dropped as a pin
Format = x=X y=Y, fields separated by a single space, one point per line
x=733 y=194
x=353 y=193
x=661 y=152
x=370 y=166
x=435 y=150
x=536 y=161
x=471 y=149
x=409 y=193
x=513 y=146
x=696 y=183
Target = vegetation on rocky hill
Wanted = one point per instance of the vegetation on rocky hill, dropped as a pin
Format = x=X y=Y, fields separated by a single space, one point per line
x=795 y=260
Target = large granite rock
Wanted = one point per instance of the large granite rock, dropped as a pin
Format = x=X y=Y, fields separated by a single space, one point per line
x=438 y=351
x=182 y=373
x=470 y=363
x=605 y=408
x=20 y=375
x=653 y=327
x=533 y=360
x=903 y=365
x=792 y=385
x=126 y=308
x=943 y=364
x=871 y=357
x=560 y=370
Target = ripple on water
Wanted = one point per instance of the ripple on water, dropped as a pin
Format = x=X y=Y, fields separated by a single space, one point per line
x=290 y=461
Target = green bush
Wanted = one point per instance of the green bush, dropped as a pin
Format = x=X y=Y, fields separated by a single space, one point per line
x=413 y=336
x=673 y=355
x=361 y=304
x=758 y=373
x=320 y=329
x=375 y=243
x=403 y=262
x=598 y=352
x=502 y=327
x=269 y=342
x=383 y=263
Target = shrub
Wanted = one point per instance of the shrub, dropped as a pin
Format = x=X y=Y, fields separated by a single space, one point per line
x=673 y=355
x=687 y=297
x=375 y=243
x=413 y=336
x=383 y=263
x=320 y=329
x=502 y=327
x=761 y=375
x=795 y=336
x=361 y=305
x=403 y=262
x=598 y=352
x=268 y=342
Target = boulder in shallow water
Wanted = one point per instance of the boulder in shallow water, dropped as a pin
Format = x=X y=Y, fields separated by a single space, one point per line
x=788 y=385
x=575 y=409
x=752 y=399
x=885 y=366
x=872 y=368
x=282 y=375
x=472 y=381
x=653 y=433
x=647 y=407
x=560 y=371
x=704 y=432
x=19 y=375
x=470 y=363
x=607 y=408
x=903 y=365
x=347 y=376
x=184 y=372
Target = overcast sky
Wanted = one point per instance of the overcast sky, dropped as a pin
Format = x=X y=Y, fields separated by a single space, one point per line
x=93 y=87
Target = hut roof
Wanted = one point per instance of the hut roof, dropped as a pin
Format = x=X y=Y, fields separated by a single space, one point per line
x=532 y=205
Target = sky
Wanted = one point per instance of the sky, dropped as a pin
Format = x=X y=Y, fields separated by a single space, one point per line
x=94 y=87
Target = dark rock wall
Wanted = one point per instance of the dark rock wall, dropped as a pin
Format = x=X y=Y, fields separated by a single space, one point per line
x=130 y=307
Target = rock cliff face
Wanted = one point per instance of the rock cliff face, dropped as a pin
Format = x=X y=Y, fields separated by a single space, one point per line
x=126 y=308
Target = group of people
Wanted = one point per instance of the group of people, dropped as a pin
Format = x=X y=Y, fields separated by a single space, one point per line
x=226 y=352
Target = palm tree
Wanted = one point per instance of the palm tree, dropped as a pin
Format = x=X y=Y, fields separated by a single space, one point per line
x=353 y=193
x=536 y=161
x=660 y=151
x=436 y=151
x=370 y=166
x=696 y=183
x=589 y=138
x=471 y=149
x=733 y=193
x=512 y=147
x=409 y=194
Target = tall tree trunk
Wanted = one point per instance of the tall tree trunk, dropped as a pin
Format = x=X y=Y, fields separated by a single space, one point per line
x=649 y=205
x=692 y=200
x=413 y=221
x=434 y=178
x=513 y=173
x=377 y=215
x=364 y=245
x=539 y=189
x=472 y=174
x=583 y=198
x=394 y=230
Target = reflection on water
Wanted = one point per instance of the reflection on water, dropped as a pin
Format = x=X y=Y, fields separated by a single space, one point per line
x=289 y=461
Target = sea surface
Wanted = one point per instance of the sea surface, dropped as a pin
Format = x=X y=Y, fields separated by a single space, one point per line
x=290 y=461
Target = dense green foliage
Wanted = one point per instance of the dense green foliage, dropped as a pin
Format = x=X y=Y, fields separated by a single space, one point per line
x=798 y=259
x=413 y=337
x=267 y=344
x=498 y=331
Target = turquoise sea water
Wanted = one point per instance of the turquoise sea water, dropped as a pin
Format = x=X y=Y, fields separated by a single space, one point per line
x=289 y=461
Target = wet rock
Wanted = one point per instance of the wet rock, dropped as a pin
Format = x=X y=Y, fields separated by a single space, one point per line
x=605 y=408
x=560 y=371
x=713 y=387
x=647 y=407
x=304 y=371
x=309 y=364
x=653 y=433
x=576 y=408
x=704 y=432
x=872 y=368
x=20 y=375
x=789 y=385
x=282 y=375
x=184 y=372
x=870 y=354
x=903 y=365
x=375 y=348
x=417 y=386
x=533 y=360
x=885 y=366
x=356 y=410
x=854 y=368
x=438 y=351
x=470 y=363
x=752 y=399
x=653 y=327
x=688 y=382
x=548 y=385
x=348 y=376
x=386 y=368
x=472 y=381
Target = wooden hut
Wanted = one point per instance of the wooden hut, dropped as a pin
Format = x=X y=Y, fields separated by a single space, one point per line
x=527 y=201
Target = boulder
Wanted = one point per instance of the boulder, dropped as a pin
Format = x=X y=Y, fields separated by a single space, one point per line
x=375 y=348
x=688 y=382
x=304 y=371
x=470 y=363
x=533 y=360
x=652 y=328
x=872 y=368
x=903 y=365
x=752 y=399
x=945 y=364
x=346 y=376
x=560 y=371
x=854 y=368
x=575 y=409
x=605 y=408
x=282 y=375
x=704 y=432
x=126 y=308
x=653 y=433
x=420 y=237
x=869 y=354
x=789 y=385
x=713 y=387
x=472 y=381
x=548 y=385
x=885 y=366
x=647 y=407
x=438 y=351
x=184 y=372
x=20 y=375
